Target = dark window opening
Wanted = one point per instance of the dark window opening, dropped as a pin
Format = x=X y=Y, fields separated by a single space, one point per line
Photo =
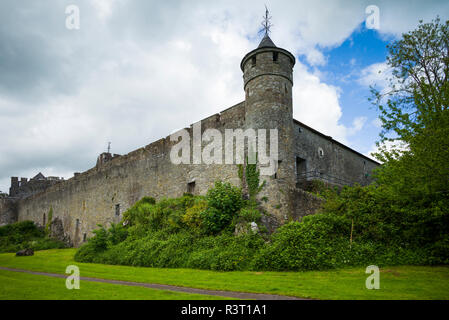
x=286 y=89
x=77 y=223
x=253 y=61
x=84 y=237
x=117 y=209
x=277 y=169
x=301 y=167
x=320 y=152
x=275 y=56
x=44 y=221
x=191 y=187
x=364 y=169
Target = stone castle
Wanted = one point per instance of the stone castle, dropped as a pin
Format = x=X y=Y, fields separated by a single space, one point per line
x=101 y=194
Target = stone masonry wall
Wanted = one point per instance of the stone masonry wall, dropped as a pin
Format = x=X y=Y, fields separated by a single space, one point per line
x=92 y=197
x=337 y=164
x=268 y=91
x=305 y=204
x=8 y=212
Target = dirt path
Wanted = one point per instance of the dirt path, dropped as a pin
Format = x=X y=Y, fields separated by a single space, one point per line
x=231 y=294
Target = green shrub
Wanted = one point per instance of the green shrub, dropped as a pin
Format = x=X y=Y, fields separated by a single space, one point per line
x=248 y=214
x=357 y=226
x=318 y=242
x=193 y=218
x=224 y=201
x=50 y=219
x=26 y=234
x=117 y=233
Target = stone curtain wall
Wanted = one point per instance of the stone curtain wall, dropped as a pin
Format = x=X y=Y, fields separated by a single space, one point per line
x=8 y=212
x=31 y=187
x=305 y=204
x=337 y=165
x=92 y=197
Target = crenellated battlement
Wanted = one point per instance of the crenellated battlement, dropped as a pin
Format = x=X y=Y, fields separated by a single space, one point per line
x=24 y=188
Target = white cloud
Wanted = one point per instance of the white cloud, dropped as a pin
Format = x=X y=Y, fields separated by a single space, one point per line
x=375 y=75
x=357 y=125
x=136 y=70
x=388 y=145
x=377 y=123
x=316 y=104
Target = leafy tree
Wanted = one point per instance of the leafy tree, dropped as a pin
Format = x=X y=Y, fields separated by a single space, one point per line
x=414 y=113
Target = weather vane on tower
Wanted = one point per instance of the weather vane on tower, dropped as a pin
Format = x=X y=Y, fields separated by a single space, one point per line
x=266 y=24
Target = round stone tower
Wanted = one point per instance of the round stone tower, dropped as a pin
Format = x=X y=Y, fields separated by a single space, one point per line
x=268 y=82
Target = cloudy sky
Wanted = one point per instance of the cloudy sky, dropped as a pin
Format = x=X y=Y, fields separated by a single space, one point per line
x=137 y=70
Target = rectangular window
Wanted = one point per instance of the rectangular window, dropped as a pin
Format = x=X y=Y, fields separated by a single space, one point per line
x=275 y=56
x=117 y=209
x=301 y=168
x=77 y=223
x=84 y=237
x=191 y=187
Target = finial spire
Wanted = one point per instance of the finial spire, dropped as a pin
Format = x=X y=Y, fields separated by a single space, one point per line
x=266 y=24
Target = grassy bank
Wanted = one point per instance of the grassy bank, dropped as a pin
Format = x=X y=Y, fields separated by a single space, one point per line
x=399 y=282
x=22 y=286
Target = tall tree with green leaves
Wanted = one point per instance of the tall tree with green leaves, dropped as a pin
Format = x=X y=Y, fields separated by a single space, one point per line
x=414 y=114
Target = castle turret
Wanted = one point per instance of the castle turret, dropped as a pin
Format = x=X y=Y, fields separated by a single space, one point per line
x=268 y=82
x=14 y=186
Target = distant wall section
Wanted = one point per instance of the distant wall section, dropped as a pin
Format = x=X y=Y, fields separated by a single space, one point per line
x=8 y=212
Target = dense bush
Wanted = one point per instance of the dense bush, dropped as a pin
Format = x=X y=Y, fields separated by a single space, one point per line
x=179 y=250
x=190 y=231
x=224 y=202
x=26 y=234
x=361 y=226
x=356 y=226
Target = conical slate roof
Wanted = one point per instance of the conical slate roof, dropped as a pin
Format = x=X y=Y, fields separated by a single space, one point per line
x=266 y=42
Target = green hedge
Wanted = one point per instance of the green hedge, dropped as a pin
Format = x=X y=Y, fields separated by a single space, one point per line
x=26 y=234
x=357 y=226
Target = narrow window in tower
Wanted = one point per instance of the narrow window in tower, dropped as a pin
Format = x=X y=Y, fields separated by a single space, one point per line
x=275 y=56
x=277 y=169
x=253 y=61
x=44 y=221
x=84 y=237
x=117 y=210
x=286 y=89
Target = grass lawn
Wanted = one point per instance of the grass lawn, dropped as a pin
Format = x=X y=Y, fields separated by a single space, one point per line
x=401 y=282
x=22 y=286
